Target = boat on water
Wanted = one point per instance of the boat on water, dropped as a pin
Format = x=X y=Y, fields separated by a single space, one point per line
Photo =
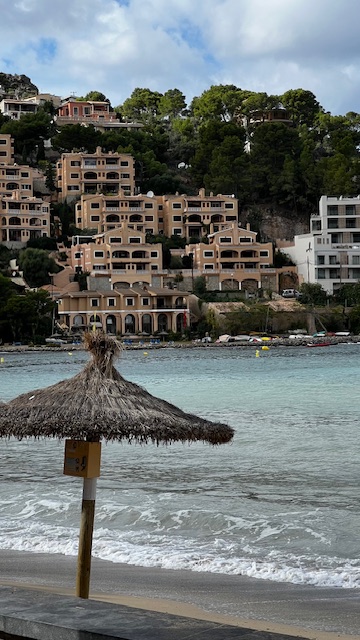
x=319 y=344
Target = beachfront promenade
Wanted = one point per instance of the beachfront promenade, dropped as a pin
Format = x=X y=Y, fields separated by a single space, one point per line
x=136 y=603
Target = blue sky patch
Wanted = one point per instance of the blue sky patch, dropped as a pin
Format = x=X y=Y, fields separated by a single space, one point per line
x=45 y=49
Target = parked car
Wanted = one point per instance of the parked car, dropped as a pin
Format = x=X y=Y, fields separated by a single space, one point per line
x=290 y=293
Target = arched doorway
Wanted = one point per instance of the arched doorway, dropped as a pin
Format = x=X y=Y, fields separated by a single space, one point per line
x=129 y=323
x=95 y=320
x=146 y=323
x=162 y=322
x=180 y=322
x=111 y=324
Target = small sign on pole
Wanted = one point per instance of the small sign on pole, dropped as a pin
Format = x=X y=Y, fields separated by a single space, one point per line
x=82 y=459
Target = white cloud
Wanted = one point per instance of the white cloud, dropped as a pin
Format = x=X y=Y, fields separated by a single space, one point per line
x=114 y=46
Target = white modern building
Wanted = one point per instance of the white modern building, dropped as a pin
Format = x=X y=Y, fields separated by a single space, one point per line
x=330 y=254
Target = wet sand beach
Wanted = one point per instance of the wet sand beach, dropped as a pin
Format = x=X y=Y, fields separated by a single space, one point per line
x=296 y=610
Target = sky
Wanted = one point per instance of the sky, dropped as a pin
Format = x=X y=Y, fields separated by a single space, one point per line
x=70 y=47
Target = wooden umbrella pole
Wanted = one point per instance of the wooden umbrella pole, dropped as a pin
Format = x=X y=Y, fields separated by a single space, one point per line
x=85 y=538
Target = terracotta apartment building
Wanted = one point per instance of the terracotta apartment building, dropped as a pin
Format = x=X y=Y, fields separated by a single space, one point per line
x=99 y=172
x=104 y=213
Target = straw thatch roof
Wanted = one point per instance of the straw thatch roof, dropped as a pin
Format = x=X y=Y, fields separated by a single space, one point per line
x=99 y=403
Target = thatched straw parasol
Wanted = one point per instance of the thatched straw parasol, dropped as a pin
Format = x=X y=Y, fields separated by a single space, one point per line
x=99 y=404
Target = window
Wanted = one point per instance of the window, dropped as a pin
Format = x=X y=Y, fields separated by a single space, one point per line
x=94 y=205
x=321 y=260
x=333 y=260
x=77 y=254
x=74 y=175
x=94 y=302
x=350 y=223
x=356 y=260
x=226 y=239
x=316 y=225
x=134 y=240
x=125 y=175
x=350 y=210
x=208 y=254
x=75 y=163
x=321 y=274
x=145 y=302
x=44 y=222
x=332 y=210
x=356 y=238
x=129 y=302
x=94 y=218
x=177 y=232
x=154 y=267
x=264 y=254
x=115 y=240
x=149 y=205
x=98 y=254
x=124 y=163
x=177 y=218
x=176 y=205
x=154 y=254
x=78 y=220
x=334 y=274
x=333 y=223
x=208 y=267
x=73 y=187
x=244 y=239
x=149 y=218
x=111 y=302
x=229 y=205
x=24 y=174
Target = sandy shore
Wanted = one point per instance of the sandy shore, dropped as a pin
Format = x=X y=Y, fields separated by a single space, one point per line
x=308 y=612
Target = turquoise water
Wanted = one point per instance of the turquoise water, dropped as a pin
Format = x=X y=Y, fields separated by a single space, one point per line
x=279 y=503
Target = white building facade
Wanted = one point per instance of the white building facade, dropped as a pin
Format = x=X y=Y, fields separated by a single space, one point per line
x=330 y=254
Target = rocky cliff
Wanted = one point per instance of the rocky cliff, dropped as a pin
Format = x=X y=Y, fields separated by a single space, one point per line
x=19 y=86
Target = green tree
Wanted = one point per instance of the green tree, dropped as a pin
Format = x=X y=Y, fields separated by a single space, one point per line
x=29 y=132
x=74 y=137
x=219 y=102
x=172 y=104
x=142 y=105
x=37 y=265
x=313 y=294
x=302 y=106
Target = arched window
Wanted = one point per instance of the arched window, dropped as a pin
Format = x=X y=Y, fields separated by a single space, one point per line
x=120 y=254
x=139 y=254
x=14 y=221
x=12 y=186
x=146 y=323
x=112 y=175
x=78 y=320
x=90 y=175
x=129 y=323
x=135 y=217
x=112 y=218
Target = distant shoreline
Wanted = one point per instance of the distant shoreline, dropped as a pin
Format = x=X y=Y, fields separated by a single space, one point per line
x=275 y=342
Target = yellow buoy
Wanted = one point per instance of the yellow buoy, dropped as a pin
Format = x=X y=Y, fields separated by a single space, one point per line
x=265 y=348
x=69 y=352
x=2 y=359
x=146 y=353
x=257 y=354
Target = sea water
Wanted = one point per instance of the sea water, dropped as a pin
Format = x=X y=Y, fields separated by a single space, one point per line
x=281 y=502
